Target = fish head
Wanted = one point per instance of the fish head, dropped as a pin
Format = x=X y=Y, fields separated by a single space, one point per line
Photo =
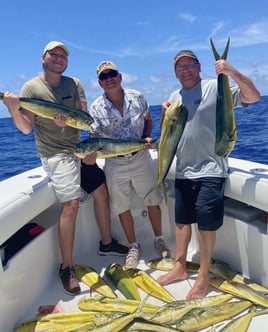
x=175 y=111
x=82 y=124
x=86 y=147
x=86 y=124
x=80 y=120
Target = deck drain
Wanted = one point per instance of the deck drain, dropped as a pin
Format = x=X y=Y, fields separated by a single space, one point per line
x=259 y=170
x=34 y=176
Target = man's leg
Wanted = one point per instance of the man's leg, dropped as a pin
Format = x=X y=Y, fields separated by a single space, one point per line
x=207 y=241
x=102 y=213
x=182 y=236
x=66 y=233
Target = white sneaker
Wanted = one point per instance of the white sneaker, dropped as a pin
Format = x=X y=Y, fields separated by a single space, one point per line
x=162 y=248
x=133 y=257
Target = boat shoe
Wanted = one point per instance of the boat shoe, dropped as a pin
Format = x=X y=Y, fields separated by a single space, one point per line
x=113 y=248
x=69 y=281
x=162 y=248
x=133 y=257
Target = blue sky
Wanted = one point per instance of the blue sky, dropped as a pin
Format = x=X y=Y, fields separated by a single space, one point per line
x=140 y=36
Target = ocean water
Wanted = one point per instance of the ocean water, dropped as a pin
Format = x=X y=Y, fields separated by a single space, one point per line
x=18 y=151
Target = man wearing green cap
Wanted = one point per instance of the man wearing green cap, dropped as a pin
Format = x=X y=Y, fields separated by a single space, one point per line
x=55 y=144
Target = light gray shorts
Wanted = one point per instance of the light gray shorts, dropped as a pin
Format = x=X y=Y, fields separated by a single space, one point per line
x=125 y=174
x=64 y=172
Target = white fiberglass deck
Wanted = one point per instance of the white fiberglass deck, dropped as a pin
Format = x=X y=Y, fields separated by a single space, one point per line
x=30 y=278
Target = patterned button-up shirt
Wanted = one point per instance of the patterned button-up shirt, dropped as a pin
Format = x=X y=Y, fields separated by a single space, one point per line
x=110 y=123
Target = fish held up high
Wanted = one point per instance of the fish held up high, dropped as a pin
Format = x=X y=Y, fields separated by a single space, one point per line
x=226 y=132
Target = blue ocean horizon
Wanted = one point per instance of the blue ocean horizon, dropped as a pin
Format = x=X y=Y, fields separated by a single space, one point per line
x=18 y=151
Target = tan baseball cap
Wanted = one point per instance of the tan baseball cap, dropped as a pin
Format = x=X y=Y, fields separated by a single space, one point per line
x=104 y=65
x=53 y=44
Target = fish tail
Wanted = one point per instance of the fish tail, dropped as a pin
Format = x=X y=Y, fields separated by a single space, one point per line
x=151 y=190
x=224 y=54
x=163 y=190
x=216 y=54
x=161 y=186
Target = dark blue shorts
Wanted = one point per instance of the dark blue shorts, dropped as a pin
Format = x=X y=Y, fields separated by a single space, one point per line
x=92 y=176
x=200 y=201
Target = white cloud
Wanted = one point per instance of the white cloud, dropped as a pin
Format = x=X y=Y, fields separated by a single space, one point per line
x=127 y=78
x=217 y=27
x=154 y=79
x=187 y=17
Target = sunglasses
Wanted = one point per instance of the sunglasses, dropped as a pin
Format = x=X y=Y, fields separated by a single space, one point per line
x=110 y=74
x=187 y=66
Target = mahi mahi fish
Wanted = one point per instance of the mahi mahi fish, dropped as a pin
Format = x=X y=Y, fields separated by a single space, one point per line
x=107 y=147
x=172 y=129
x=93 y=280
x=167 y=264
x=241 y=323
x=240 y=290
x=73 y=117
x=226 y=132
x=201 y=318
x=222 y=270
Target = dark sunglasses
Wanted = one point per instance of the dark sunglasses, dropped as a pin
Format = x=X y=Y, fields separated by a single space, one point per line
x=110 y=74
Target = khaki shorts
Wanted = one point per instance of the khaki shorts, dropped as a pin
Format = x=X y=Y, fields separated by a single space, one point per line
x=125 y=174
x=64 y=172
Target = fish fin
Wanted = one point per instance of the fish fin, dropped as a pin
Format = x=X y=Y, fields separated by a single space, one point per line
x=155 y=140
x=142 y=303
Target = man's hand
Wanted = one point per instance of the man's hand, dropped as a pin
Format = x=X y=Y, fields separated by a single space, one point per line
x=90 y=159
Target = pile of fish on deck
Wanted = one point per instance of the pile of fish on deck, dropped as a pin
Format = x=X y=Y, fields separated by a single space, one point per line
x=238 y=301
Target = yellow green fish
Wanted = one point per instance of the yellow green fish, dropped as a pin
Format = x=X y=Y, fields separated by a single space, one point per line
x=172 y=129
x=104 y=304
x=73 y=117
x=226 y=132
x=240 y=290
x=149 y=285
x=200 y=318
x=118 y=275
x=222 y=270
x=167 y=264
x=93 y=280
x=172 y=312
x=107 y=147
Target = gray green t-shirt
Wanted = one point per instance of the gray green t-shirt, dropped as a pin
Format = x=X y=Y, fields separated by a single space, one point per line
x=51 y=139
x=196 y=155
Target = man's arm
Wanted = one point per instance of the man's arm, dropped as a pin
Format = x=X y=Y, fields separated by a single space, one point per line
x=23 y=120
x=248 y=92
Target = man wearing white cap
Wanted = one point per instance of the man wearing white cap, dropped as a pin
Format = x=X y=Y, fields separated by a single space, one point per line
x=122 y=113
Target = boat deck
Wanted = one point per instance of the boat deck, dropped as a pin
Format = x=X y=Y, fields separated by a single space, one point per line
x=55 y=294
x=30 y=278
